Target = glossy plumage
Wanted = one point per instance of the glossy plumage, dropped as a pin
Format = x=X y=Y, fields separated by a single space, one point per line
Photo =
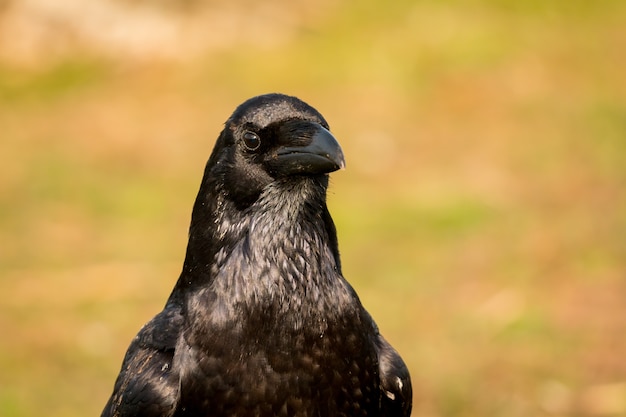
x=261 y=321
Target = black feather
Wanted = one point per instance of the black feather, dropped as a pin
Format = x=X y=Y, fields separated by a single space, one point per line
x=261 y=321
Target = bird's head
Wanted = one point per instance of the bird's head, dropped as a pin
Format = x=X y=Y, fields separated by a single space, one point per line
x=268 y=138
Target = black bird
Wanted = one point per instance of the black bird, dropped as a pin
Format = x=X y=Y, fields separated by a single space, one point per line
x=261 y=321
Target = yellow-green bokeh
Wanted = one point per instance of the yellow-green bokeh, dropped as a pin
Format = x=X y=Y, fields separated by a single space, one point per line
x=481 y=217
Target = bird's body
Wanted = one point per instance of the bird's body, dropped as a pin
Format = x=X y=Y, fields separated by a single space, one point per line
x=261 y=321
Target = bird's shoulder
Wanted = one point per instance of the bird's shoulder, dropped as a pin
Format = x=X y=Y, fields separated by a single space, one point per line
x=147 y=384
x=395 y=382
x=162 y=332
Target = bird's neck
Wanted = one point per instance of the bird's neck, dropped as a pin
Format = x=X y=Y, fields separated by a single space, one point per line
x=276 y=256
x=287 y=244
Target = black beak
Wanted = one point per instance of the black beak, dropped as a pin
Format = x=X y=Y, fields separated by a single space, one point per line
x=313 y=150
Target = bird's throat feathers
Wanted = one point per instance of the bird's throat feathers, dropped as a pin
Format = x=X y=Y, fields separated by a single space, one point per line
x=272 y=256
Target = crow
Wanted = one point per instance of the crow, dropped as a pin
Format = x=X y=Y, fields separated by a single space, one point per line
x=261 y=321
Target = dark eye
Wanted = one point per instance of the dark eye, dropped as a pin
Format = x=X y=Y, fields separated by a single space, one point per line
x=251 y=140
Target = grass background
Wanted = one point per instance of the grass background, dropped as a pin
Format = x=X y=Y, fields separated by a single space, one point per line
x=482 y=216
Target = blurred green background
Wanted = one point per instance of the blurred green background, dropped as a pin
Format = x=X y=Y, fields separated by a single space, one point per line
x=482 y=216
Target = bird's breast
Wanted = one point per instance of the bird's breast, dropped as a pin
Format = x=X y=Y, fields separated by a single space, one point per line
x=241 y=370
x=279 y=332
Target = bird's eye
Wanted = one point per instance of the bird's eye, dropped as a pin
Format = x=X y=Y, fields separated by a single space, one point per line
x=251 y=140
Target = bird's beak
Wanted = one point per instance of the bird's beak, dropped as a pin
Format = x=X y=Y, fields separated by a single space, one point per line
x=319 y=155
